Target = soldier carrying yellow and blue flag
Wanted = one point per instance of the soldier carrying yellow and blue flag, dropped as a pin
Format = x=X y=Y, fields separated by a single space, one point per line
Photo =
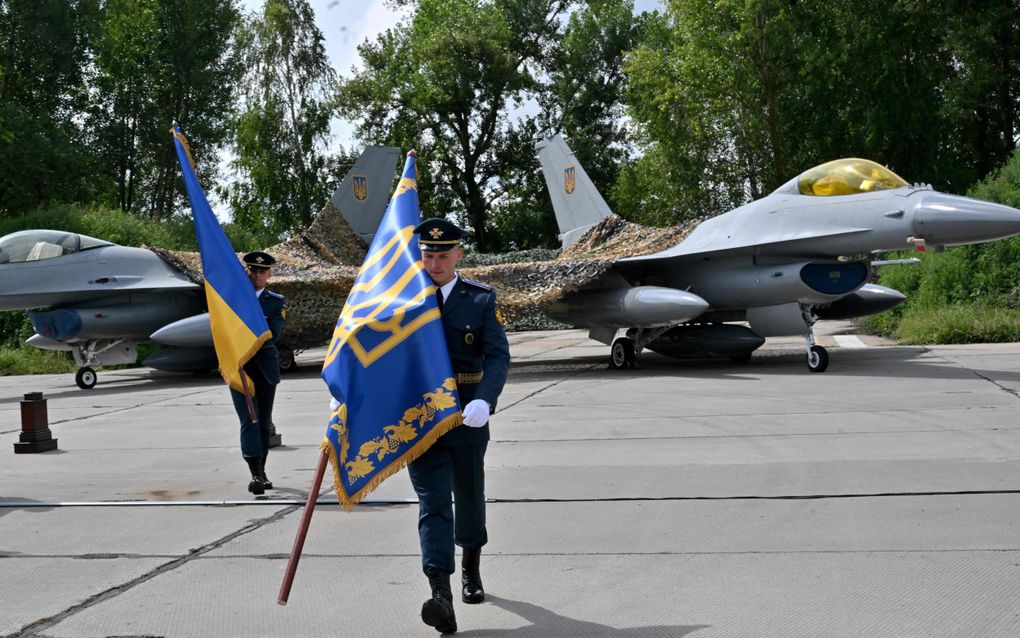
x=387 y=366
x=238 y=324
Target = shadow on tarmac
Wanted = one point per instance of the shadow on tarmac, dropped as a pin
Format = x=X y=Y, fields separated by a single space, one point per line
x=545 y=623
x=124 y=380
x=11 y=504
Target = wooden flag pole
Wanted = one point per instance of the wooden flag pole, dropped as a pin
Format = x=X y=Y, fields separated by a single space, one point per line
x=247 y=395
x=299 y=541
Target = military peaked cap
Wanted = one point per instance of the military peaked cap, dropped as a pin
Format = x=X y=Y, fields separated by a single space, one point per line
x=438 y=235
x=258 y=259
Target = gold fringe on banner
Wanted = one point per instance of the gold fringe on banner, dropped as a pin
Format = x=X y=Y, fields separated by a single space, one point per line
x=347 y=502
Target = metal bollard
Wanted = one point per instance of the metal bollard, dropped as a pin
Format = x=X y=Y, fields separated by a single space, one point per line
x=35 y=429
x=275 y=439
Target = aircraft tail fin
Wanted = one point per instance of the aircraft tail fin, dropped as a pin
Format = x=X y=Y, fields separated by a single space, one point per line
x=343 y=230
x=365 y=190
x=576 y=202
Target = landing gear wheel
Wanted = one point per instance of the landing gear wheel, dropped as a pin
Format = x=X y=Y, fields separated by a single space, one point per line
x=621 y=355
x=287 y=362
x=817 y=359
x=85 y=378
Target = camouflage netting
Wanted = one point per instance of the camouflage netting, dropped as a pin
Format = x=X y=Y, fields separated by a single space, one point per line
x=526 y=289
x=316 y=269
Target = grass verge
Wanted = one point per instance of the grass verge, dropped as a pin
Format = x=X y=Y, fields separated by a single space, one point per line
x=34 y=361
x=948 y=324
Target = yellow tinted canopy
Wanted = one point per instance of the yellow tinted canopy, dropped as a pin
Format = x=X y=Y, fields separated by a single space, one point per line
x=848 y=177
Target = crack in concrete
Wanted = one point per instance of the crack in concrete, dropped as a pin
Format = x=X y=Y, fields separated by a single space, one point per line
x=1009 y=391
x=30 y=630
x=125 y=409
x=544 y=388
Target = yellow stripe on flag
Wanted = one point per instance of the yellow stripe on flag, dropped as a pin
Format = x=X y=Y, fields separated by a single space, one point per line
x=233 y=339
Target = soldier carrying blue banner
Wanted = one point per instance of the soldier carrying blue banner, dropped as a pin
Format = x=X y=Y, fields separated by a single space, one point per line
x=399 y=367
x=480 y=356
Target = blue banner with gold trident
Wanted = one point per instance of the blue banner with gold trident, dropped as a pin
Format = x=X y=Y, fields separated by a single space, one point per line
x=387 y=364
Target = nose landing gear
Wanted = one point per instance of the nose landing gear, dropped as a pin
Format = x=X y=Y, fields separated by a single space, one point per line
x=85 y=378
x=817 y=356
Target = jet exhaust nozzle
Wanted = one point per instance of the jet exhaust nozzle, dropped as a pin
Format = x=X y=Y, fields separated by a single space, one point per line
x=952 y=220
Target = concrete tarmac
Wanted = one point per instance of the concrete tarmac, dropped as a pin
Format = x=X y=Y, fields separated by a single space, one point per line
x=702 y=499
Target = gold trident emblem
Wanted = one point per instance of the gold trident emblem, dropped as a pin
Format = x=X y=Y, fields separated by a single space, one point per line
x=436 y=233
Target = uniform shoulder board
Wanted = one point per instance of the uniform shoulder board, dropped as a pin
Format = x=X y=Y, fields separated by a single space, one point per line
x=477 y=284
x=275 y=295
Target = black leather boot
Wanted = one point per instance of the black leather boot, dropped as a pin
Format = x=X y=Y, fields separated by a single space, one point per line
x=470 y=578
x=256 y=486
x=438 y=611
x=266 y=483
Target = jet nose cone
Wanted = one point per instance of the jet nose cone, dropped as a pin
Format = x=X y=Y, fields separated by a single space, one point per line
x=952 y=220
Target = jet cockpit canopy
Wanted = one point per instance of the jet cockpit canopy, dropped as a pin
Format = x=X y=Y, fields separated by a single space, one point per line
x=848 y=176
x=35 y=245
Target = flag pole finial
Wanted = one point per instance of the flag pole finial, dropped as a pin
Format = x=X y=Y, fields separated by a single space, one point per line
x=412 y=153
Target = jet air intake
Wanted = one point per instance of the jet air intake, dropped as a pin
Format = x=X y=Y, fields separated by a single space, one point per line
x=753 y=285
x=644 y=306
x=136 y=320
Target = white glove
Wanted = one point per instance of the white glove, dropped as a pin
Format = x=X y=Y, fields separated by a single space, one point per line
x=333 y=405
x=476 y=413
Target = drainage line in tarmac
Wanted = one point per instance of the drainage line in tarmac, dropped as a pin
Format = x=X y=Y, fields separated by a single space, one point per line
x=778 y=497
x=609 y=499
x=29 y=631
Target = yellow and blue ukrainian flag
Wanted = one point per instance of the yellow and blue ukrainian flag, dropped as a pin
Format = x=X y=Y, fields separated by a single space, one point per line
x=387 y=365
x=238 y=324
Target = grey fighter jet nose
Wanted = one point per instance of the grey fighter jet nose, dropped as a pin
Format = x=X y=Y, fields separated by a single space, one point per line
x=951 y=219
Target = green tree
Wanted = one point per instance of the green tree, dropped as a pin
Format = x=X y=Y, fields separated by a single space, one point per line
x=583 y=96
x=734 y=97
x=158 y=61
x=707 y=89
x=983 y=95
x=445 y=82
x=44 y=48
x=282 y=131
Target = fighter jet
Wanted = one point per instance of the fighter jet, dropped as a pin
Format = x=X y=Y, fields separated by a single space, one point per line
x=778 y=264
x=99 y=300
